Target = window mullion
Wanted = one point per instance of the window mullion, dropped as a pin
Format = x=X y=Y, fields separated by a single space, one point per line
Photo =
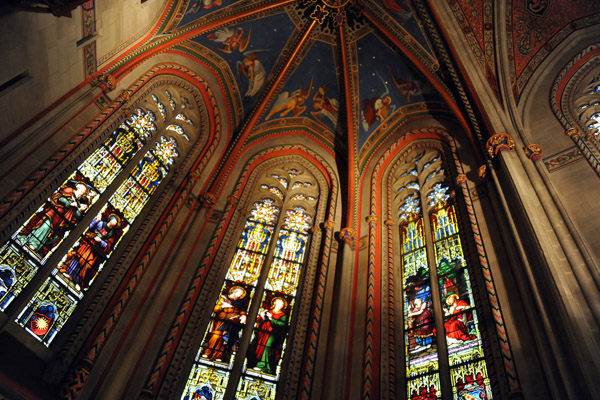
x=438 y=312
x=236 y=370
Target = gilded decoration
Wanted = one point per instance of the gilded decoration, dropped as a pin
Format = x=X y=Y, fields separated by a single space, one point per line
x=461 y=178
x=572 y=132
x=481 y=172
x=499 y=142
x=348 y=235
x=372 y=219
x=106 y=82
x=533 y=152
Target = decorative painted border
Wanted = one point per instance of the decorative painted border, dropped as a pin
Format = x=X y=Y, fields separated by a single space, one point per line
x=562 y=159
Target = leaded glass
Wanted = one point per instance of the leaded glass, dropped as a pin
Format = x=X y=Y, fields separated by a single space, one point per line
x=438 y=196
x=184 y=118
x=179 y=130
x=226 y=323
x=205 y=382
x=269 y=335
x=276 y=192
x=245 y=267
x=44 y=231
x=297 y=185
x=424 y=387
x=47 y=311
x=171 y=101
x=79 y=267
x=471 y=381
x=413 y=236
x=444 y=223
x=254 y=388
x=281 y=180
x=161 y=107
x=411 y=208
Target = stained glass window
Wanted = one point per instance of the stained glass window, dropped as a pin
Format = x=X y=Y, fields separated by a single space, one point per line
x=36 y=240
x=467 y=370
x=53 y=304
x=246 y=282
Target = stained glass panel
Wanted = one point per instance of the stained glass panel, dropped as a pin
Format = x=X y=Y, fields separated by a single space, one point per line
x=256 y=237
x=413 y=236
x=130 y=197
x=284 y=276
x=471 y=381
x=270 y=331
x=411 y=208
x=17 y=269
x=40 y=236
x=424 y=387
x=253 y=388
x=245 y=267
x=205 y=383
x=226 y=323
x=47 y=311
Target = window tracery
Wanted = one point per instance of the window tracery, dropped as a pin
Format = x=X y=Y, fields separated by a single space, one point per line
x=248 y=339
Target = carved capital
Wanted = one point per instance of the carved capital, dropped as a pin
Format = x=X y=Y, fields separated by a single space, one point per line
x=347 y=235
x=315 y=229
x=208 y=200
x=533 y=152
x=372 y=219
x=329 y=224
x=388 y=222
x=499 y=142
x=232 y=200
x=461 y=178
x=106 y=82
x=195 y=175
x=482 y=171
x=572 y=132
x=125 y=96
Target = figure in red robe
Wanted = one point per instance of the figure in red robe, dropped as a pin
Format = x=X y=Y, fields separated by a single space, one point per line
x=455 y=326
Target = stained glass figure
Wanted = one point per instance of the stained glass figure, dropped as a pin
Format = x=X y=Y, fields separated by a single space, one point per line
x=270 y=332
x=37 y=239
x=263 y=354
x=461 y=333
x=227 y=320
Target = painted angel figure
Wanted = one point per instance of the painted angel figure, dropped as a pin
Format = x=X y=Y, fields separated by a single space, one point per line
x=408 y=87
x=230 y=39
x=376 y=109
x=253 y=70
x=291 y=103
x=325 y=107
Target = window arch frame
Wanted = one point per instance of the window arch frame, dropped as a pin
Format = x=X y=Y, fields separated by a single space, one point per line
x=76 y=329
x=231 y=223
x=393 y=377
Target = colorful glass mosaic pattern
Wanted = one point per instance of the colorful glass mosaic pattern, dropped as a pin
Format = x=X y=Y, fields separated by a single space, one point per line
x=53 y=304
x=30 y=247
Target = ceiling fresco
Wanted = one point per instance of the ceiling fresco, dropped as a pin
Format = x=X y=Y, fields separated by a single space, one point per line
x=251 y=50
x=311 y=91
x=384 y=86
x=286 y=60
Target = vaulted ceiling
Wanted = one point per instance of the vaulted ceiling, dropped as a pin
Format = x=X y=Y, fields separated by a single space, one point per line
x=348 y=72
